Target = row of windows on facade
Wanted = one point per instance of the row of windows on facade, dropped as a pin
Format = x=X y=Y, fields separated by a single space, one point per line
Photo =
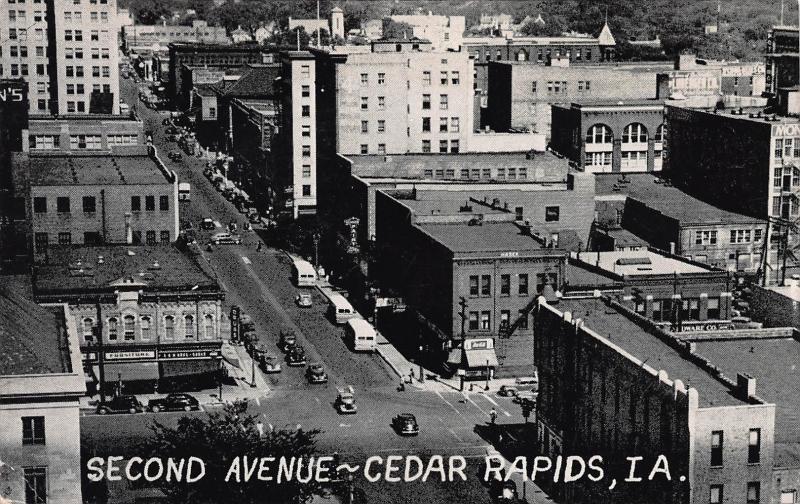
x=77 y=35
x=53 y=142
x=481 y=285
x=632 y=133
x=73 y=89
x=63 y=204
x=735 y=236
x=482 y=321
x=452 y=77
x=444 y=102
x=630 y=160
x=541 y=54
x=42 y=240
x=74 y=2
x=22 y=33
x=126 y=328
x=454 y=146
x=753 y=494
x=561 y=87
x=453 y=125
x=787 y=148
x=668 y=310
x=520 y=173
x=77 y=53
x=97 y=71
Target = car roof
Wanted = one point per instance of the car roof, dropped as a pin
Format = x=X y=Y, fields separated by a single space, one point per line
x=406 y=416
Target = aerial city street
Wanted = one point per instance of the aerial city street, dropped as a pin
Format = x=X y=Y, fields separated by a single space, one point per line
x=360 y=251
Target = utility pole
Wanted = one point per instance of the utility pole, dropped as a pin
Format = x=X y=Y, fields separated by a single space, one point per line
x=100 y=355
x=319 y=30
x=463 y=314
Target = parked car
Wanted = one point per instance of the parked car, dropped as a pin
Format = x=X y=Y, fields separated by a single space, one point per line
x=120 y=404
x=174 y=402
x=175 y=156
x=504 y=491
x=507 y=391
x=405 y=424
x=270 y=364
x=226 y=238
x=207 y=223
x=254 y=218
x=303 y=300
x=345 y=403
x=524 y=396
x=296 y=356
x=287 y=341
x=315 y=373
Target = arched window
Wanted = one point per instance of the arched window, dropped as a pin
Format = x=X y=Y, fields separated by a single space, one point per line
x=208 y=327
x=661 y=134
x=129 y=326
x=634 y=133
x=522 y=55
x=88 y=329
x=145 y=324
x=169 y=327
x=188 y=325
x=599 y=133
x=112 y=329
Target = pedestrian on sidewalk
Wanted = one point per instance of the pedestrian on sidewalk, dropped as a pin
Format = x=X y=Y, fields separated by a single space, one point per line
x=493 y=415
x=260 y=428
x=258 y=247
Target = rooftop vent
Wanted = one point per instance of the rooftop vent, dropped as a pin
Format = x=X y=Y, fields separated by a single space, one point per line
x=633 y=261
x=466 y=207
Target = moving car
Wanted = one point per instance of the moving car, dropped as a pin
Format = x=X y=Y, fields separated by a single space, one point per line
x=296 y=356
x=254 y=218
x=345 y=403
x=287 y=341
x=303 y=300
x=270 y=364
x=175 y=156
x=120 y=404
x=315 y=373
x=507 y=391
x=174 y=402
x=207 y=223
x=524 y=396
x=226 y=238
x=504 y=491
x=405 y=424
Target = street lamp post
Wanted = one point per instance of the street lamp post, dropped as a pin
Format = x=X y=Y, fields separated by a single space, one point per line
x=421 y=372
x=316 y=238
x=487 y=375
x=253 y=372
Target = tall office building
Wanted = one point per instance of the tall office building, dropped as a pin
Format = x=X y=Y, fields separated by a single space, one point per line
x=66 y=50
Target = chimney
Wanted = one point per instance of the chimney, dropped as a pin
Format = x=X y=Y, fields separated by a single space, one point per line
x=745 y=385
x=672 y=248
x=128 y=229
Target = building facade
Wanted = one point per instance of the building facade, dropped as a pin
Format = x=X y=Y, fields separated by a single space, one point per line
x=157 y=310
x=40 y=385
x=782 y=58
x=66 y=52
x=444 y=32
x=146 y=36
x=611 y=136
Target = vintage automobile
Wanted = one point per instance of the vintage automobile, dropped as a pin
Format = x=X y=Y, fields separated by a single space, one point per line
x=296 y=356
x=315 y=373
x=345 y=403
x=120 y=404
x=174 y=402
x=405 y=424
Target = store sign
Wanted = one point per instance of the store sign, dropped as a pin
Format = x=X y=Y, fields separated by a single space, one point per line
x=786 y=130
x=187 y=354
x=479 y=344
x=89 y=356
x=701 y=327
x=235 y=317
x=509 y=254
x=131 y=355
x=11 y=94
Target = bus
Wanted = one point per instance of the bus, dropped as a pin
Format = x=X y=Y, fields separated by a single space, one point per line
x=184 y=191
x=340 y=310
x=361 y=335
x=303 y=273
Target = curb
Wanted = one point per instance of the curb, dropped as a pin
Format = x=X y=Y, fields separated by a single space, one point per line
x=388 y=361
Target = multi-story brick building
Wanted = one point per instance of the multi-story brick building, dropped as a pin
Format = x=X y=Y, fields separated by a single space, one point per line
x=444 y=32
x=521 y=93
x=112 y=134
x=138 y=36
x=783 y=58
x=613 y=384
x=66 y=51
x=13 y=121
x=254 y=123
x=157 y=310
x=669 y=219
x=739 y=160
x=608 y=136
x=41 y=381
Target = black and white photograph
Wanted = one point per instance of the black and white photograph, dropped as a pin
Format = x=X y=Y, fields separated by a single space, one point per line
x=399 y=252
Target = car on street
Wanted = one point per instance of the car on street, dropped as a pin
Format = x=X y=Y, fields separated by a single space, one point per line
x=296 y=356
x=270 y=364
x=524 y=396
x=315 y=373
x=405 y=424
x=254 y=218
x=174 y=402
x=219 y=238
x=504 y=491
x=207 y=223
x=120 y=404
x=303 y=300
x=507 y=391
x=345 y=403
x=287 y=341
x=175 y=156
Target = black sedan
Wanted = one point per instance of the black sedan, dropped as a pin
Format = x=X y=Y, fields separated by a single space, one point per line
x=120 y=404
x=173 y=402
x=405 y=424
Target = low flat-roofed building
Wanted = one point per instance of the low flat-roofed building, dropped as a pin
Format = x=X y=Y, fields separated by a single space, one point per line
x=116 y=134
x=669 y=219
x=159 y=310
x=776 y=305
x=613 y=384
x=41 y=382
x=94 y=198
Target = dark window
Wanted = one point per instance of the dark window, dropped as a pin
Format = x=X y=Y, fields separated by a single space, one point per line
x=518 y=213
x=473 y=321
x=88 y=204
x=306 y=111
x=505 y=285
x=92 y=238
x=754 y=447
x=40 y=205
x=137 y=237
x=716 y=448
x=716 y=494
x=164 y=236
x=65 y=238
x=543 y=279
x=35 y=485
x=150 y=238
x=32 y=430
x=426 y=124
x=523 y=284
x=62 y=204
x=551 y=213
x=753 y=492
x=163 y=202
x=486 y=285
x=149 y=203
x=523 y=319
x=40 y=241
x=473 y=285
x=136 y=203
x=306 y=190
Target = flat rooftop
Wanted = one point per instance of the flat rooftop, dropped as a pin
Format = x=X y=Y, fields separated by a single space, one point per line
x=671 y=201
x=629 y=336
x=633 y=263
x=77 y=269
x=98 y=169
x=33 y=338
x=446 y=201
x=543 y=167
x=775 y=364
x=487 y=238
x=746 y=114
x=790 y=291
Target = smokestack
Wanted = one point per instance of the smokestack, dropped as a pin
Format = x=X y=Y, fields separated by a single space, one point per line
x=128 y=229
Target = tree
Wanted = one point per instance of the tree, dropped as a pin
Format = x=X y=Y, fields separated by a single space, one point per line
x=150 y=12
x=218 y=439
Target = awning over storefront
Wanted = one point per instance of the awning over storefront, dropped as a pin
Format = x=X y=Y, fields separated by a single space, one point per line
x=481 y=358
x=130 y=371
x=188 y=367
x=454 y=357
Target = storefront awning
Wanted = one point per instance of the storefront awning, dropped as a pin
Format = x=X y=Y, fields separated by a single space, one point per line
x=454 y=357
x=129 y=371
x=481 y=358
x=188 y=367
